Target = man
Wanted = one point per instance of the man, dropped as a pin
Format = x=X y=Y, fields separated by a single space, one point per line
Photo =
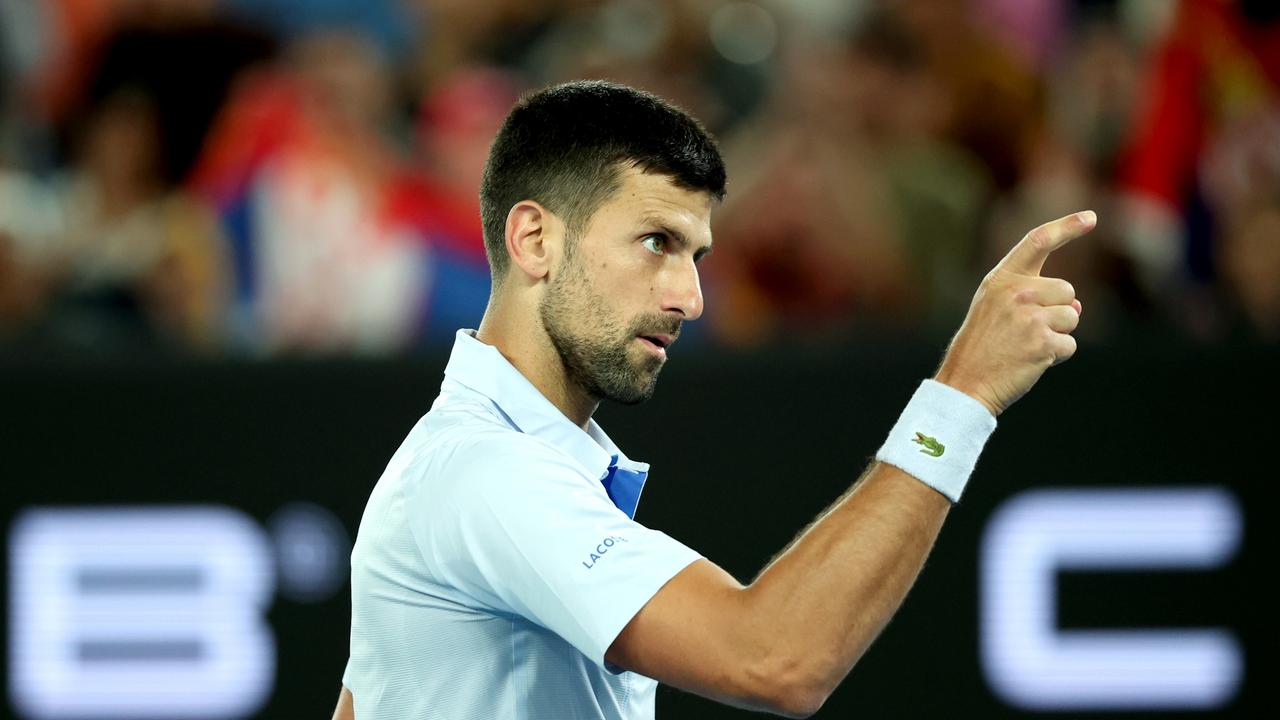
x=498 y=572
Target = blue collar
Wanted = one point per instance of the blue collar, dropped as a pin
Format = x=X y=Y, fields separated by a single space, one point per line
x=484 y=370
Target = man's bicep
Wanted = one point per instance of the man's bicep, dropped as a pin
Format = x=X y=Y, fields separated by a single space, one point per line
x=694 y=634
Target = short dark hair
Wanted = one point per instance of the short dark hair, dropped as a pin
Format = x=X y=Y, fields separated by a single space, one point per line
x=565 y=147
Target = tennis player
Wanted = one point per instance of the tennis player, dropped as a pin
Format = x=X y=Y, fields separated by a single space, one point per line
x=498 y=571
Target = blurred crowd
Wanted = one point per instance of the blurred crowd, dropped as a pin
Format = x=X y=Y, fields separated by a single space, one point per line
x=261 y=177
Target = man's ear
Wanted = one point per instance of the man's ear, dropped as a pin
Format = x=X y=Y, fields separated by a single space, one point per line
x=533 y=239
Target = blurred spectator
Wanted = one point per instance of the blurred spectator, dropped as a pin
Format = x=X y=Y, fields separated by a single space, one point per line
x=996 y=100
x=1240 y=179
x=301 y=172
x=110 y=252
x=62 y=52
x=1249 y=253
x=1213 y=82
x=465 y=33
x=50 y=47
x=120 y=258
x=847 y=204
x=388 y=24
x=456 y=125
x=714 y=59
x=20 y=290
x=1032 y=32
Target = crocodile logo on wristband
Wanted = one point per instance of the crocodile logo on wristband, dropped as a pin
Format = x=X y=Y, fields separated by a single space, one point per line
x=931 y=446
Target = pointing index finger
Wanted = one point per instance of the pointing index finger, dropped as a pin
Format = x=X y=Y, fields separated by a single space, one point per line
x=1028 y=256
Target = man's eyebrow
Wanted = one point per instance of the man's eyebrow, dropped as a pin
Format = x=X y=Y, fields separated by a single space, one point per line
x=676 y=235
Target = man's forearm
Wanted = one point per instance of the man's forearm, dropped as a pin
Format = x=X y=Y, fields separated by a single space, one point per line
x=835 y=587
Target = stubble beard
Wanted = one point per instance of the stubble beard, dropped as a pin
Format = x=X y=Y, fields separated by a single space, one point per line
x=596 y=355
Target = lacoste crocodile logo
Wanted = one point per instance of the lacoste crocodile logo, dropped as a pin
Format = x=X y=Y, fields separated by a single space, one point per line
x=932 y=447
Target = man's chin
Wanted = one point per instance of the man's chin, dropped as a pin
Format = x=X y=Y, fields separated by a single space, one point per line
x=633 y=399
x=636 y=395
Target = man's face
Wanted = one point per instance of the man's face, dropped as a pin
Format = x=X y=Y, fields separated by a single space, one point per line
x=625 y=286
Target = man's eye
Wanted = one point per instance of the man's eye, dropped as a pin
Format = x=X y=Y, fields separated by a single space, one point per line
x=654 y=244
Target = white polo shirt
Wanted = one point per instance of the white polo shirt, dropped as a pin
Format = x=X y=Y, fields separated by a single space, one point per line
x=493 y=569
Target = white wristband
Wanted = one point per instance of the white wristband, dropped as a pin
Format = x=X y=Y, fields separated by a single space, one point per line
x=938 y=437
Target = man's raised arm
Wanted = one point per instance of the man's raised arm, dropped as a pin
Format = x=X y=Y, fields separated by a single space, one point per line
x=786 y=641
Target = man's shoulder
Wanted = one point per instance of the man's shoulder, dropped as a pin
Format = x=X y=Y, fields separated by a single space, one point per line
x=492 y=450
x=465 y=441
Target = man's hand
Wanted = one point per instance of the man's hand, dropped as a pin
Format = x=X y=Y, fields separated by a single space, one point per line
x=1019 y=323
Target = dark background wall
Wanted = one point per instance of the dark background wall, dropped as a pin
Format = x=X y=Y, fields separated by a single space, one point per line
x=746 y=450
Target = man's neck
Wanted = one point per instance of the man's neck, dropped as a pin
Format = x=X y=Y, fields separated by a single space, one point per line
x=530 y=351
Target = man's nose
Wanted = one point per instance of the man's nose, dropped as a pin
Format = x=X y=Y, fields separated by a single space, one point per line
x=683 y=291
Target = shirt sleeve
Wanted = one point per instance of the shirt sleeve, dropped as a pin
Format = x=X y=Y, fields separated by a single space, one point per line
x=520 y=527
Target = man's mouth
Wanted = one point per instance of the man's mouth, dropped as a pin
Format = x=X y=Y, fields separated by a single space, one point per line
x=662 y=341
x=657 y=343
